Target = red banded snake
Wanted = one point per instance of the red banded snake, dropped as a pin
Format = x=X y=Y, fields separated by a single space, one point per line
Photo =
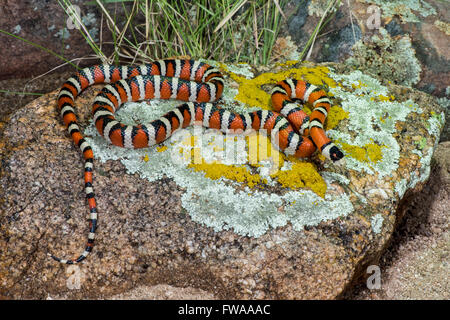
x=291 y=129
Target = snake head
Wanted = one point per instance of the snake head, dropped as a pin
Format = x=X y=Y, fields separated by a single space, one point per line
x=335 y=154
x=332 y=152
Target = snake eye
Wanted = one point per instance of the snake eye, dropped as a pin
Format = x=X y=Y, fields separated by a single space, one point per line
x=336 y=154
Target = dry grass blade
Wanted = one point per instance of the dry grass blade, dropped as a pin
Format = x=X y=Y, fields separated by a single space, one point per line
x=277 y=4
x=122 y=34
x=351 y=20
x=111 y=21
x=255 y=28
x=230 y=15
x=331 y=4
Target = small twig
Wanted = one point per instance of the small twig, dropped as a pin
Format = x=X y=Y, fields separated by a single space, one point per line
x=277 y=4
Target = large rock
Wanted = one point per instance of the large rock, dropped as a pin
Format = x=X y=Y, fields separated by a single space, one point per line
x=307 y=231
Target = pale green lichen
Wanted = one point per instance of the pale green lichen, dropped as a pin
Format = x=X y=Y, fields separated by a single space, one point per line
x=425 y=153
x=285 y=50
x=401 y=187
x=62 y=34
x=89 y=19
x=330 y=177
x=404 y=9
x=318 y=7
x=376 y=222
x=387 y=58
x=17 y=29
x=435 y=123
x=445 y=103
x=372 y=121
x=228 y=97
x=242 y=69
x=421 y=143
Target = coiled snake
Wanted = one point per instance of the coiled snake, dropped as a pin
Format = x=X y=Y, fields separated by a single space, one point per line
x=291 y=129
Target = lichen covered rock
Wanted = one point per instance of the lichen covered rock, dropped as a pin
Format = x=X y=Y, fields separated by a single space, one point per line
x=407 y=10
x=388 y=57
x=210 y=211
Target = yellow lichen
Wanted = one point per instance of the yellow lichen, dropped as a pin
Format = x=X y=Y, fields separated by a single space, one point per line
x=217 y=170
x=383 y=98
x=161 y=148
x=260 y=148
x=335 y=115
x=302 y=175
x=368 y=153
x=252 y=93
